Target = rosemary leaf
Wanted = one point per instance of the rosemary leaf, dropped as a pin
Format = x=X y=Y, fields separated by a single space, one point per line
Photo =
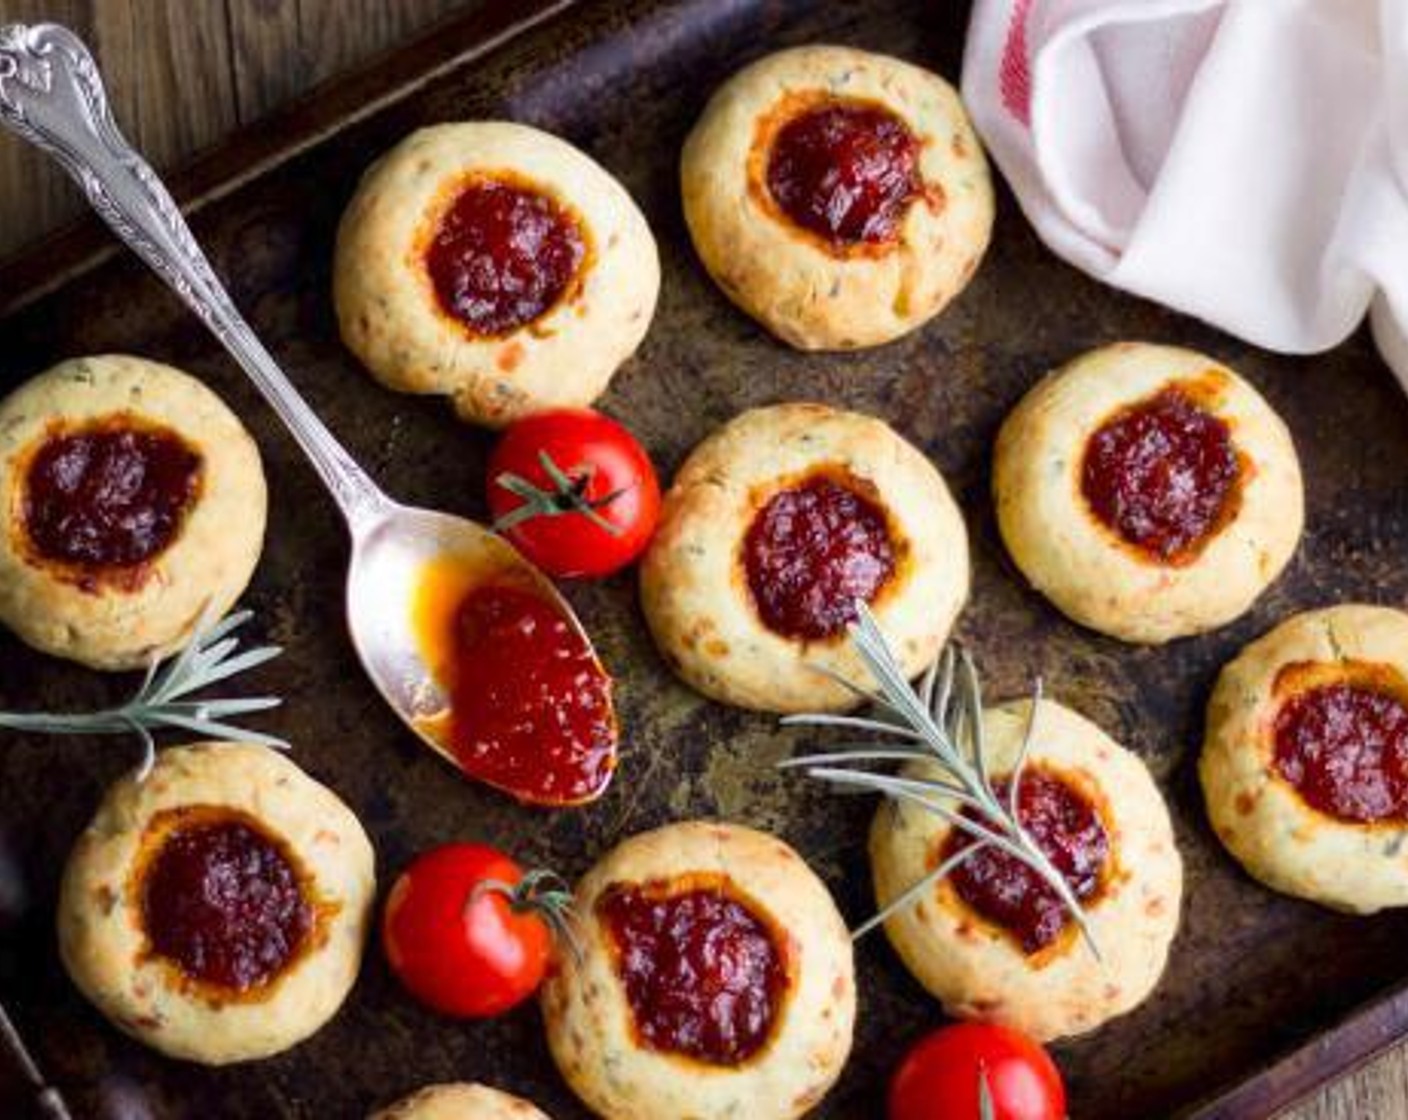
x=213 y=728
x=927 y=685
x=862 y=754
x=913 y=894
x=1001 y=839
x=218 y=709
x=886 y=783
x=973 y=714
x=858 y=723
x=233 y=666
x=1018 y=767
x=939 y=704
x=864 y=695
x=160 y=702
x=205 y=638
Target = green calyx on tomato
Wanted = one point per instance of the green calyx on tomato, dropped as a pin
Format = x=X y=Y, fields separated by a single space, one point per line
x=567 y=496
x=541 y=892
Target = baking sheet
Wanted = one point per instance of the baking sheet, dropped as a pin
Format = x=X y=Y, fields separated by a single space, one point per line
x=1252 y=975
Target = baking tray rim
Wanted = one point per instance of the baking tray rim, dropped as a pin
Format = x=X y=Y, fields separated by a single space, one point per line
x=60 y=259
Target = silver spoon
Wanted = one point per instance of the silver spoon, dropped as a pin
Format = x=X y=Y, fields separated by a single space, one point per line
x=52 y=95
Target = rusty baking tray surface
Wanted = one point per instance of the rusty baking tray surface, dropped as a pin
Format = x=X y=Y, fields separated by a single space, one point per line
x=1264 y=996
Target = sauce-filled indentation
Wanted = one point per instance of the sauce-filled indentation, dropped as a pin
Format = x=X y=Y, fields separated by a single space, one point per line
x=812 y=550
x=221 y=900
x=111 y=494
x=1008 y=893
x=503 y=255
x=846 y=171
x=702 y=972
x=530 y=707
x=1344 y=747
x=1162 y=474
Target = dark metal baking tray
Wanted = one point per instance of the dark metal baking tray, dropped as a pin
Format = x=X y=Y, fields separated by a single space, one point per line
x=1264 y=997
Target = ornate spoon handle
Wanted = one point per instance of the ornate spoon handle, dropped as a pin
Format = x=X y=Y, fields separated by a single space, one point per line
x=52 y=95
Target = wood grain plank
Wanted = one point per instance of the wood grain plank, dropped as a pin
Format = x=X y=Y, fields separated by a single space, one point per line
x=1379 y=1091
x=183 y=72
x=33 y=195
x=182 y=96
x=335 y=34
x=167 y=68
x=282 y=47
x=269 y=61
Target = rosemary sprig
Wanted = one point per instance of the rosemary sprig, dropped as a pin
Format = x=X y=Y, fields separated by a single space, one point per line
x=212 y=655
x=939 y=723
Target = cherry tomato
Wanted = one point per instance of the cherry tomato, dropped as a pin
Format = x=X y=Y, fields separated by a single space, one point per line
x=941 y=1075
x=574 y=491
x=469 y=932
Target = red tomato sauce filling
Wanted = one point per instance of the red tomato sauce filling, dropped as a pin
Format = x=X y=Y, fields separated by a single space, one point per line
x=845 y=171
x=1162 y=474
x=222 y=901
x=503 y=255
x=811 y=552
x=702 y=972
x=530 y=705
x=1005 y=891
x=111 y=494
x=1344 y=748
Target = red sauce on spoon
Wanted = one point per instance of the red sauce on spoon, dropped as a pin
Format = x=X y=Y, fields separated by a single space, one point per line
x=530 y=706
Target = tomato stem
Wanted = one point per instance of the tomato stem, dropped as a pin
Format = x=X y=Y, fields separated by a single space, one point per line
x=567 y=496
x=542 y=892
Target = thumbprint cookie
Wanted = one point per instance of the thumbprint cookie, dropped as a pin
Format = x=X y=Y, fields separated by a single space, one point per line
x=497 y=265
x=992 y=939
x=1149 y=492
x=133 y=499
x=216 y=909
x=460 y=1101
x=1305 y=765
x=775 y=527
x=715 y=980
x=840 y=198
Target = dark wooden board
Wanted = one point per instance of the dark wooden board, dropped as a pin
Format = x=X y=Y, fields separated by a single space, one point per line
x=1264 y=996
x=186 y=73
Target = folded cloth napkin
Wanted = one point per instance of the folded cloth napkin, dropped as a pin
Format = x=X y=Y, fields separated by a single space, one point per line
x=1244 y=161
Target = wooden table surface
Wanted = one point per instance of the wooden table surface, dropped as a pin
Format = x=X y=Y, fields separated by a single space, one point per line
x=183 y=73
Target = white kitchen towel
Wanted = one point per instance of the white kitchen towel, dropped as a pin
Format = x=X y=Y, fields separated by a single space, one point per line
x=1244 y=161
